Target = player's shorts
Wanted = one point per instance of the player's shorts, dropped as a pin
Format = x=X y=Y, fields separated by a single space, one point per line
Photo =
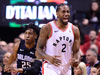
x=49 y=69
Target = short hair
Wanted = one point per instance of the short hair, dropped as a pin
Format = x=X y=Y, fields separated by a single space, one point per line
x=58 y=7
x=32 y=26
x=93 y=50
x=96 y=47
x=94 y=31
x=17 y=37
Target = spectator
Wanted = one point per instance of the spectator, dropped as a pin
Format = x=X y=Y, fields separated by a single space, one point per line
x=93 y=71
x=82 y=37
x=2 y=52
x=17 y=39
x=98 y=37
x=98 y=68
x=94 y=46
x=93 y=14
x=0 y=68
x=14 y=64
x=5 y=61
x=6 y=58
x=10 y=47
x=3 y=45
x=91 y=58
x=81 y=69
x=92 y=37
x=21 y=36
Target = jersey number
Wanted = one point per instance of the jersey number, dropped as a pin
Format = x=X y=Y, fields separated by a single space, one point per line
x=26 y=64
x=64 y=46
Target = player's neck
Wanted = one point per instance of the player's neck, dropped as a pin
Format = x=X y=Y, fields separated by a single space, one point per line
x=29 y=46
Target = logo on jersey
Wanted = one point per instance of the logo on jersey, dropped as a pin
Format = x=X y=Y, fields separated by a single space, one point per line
x=56 y=31
x=31 y=53
x=24 y=57
x=61 y=39
x=70 y=32
x=21 y=49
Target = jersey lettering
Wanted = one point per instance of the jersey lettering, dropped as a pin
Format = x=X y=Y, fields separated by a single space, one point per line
x=64 y=46
x=61 y=39
x=25 y=64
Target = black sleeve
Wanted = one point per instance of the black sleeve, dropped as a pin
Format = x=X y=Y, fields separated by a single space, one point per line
x=34 y=69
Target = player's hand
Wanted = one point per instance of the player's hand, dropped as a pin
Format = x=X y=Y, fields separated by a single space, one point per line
x=74 y=62
x=54 y=60
x=7 y=69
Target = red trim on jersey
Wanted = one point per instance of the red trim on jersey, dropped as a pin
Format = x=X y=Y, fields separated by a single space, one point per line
x=43 y=67
x=59 y=28
x=73 y=30
x=51 y=31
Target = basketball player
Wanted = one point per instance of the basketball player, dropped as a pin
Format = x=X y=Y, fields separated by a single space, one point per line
x=24 y=51
x=61 y=40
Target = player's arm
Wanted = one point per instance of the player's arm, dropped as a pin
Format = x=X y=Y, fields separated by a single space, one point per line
x=45 y=32
x=75 y=48
x=42 y=42
x=76 y=44
x=12 y=57
x=14 y=54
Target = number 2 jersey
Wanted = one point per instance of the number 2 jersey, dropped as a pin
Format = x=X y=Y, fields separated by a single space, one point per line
x=60 y=44
x=25 y=57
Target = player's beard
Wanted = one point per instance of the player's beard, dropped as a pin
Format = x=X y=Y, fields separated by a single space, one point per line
x=63 y=22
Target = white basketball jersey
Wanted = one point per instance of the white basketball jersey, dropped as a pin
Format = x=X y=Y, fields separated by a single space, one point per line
x=60 y=42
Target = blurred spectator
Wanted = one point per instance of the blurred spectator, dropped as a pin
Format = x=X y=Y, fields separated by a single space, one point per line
x=92 y=37
x=98 y=68
x=98 y=37
x=10 y=47
x=91 y=58
x=94 y=46
x=0 y=68
x=6 y=58
x=21 y=36
x=5 y=61
x=17 y=39
x=14 y=64
x=93 y=14
x=82 y=38
x=93 y=71
x=2 y=52
x=3 y=45
x=81 y=69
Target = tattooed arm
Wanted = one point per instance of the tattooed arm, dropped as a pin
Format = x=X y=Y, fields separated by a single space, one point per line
x=45 y=32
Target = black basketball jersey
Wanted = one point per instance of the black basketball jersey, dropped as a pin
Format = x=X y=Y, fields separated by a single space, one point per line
x=25 y=57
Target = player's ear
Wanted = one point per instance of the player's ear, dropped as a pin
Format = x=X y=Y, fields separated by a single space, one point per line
x=36 y=36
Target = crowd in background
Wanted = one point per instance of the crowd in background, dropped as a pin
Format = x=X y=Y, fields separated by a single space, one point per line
x=89 y=45
x=5 y=51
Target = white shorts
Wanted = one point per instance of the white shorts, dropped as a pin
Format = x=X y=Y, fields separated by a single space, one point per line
x=49 y=69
